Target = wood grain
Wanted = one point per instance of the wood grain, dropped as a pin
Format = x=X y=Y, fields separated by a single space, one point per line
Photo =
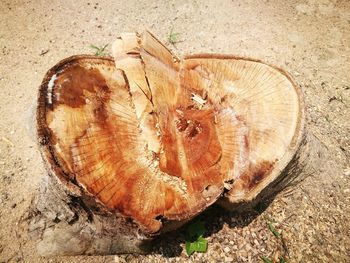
x=157 y=139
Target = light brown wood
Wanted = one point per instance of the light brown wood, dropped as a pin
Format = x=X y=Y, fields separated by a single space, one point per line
x=267 y=103
x=95 y=139
x=149 y=141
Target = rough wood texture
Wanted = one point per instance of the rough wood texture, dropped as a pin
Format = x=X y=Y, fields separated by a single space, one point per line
x=269 y=109
x=140 y=145
x=73 y=225
x=308 y=160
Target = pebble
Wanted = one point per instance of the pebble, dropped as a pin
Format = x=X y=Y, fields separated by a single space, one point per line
x=227 y=249
x=228 y=259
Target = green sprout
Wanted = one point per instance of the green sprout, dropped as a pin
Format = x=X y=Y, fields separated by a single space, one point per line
x=195 y=242
x=172 y=37
x=99 y=51
x=277 y=234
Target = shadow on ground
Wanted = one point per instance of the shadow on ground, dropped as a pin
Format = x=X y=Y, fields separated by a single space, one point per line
x=215 y=217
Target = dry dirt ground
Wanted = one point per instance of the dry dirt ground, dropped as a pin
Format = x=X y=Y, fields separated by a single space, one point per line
x=308 y=38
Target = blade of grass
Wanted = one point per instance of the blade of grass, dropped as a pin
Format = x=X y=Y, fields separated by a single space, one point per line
x=274 y=231
x=99 y=50
x=266 y=260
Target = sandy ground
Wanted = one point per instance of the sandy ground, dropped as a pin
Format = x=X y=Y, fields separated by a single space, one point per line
x=310 y=39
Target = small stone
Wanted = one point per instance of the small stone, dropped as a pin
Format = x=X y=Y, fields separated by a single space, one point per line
x=227 y=249
x=228 y=259
x=347 y=172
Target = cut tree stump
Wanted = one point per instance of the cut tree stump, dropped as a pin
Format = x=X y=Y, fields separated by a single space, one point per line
x=138 y=145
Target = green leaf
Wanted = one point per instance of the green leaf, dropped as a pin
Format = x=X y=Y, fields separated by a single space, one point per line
x=273 y=230
x=189 y=248
x=282 y=260
x=195 y=242
x=195 y=230
x=172 y=37
x=199 y=245
x=266 y=260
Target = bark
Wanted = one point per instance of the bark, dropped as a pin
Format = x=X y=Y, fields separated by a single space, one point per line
x=67 y=224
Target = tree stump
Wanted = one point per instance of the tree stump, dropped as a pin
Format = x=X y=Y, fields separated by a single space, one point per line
x=138 y=145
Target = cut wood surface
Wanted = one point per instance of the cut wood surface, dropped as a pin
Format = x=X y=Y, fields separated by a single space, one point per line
x=147 y=141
